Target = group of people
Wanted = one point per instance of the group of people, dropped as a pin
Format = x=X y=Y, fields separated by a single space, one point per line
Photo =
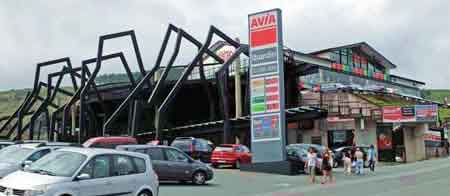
x=352 y=159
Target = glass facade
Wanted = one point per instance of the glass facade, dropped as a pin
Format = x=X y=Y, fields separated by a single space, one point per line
x=325 y=76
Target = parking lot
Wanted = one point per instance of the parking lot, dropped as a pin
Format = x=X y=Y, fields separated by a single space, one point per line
x=406 y=179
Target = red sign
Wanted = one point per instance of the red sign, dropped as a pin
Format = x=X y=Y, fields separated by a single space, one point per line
x=394 y=114
x=263 y=29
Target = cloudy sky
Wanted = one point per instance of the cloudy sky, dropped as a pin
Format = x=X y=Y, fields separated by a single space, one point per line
x=415 y=35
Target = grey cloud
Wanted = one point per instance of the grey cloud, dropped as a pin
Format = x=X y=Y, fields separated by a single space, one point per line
x=413 y=34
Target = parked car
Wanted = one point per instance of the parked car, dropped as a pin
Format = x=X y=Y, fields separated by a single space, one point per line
x=84 y=171
x=298 y=155
x=15 y=157
x=4 y=144
x=340 y=152
x=376 y=88
x=231 y=154
x=332 y=87
x=109 y=142
x=171 y=164
x=197 y=148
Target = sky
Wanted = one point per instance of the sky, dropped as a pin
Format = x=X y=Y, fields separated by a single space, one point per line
x=413 y=34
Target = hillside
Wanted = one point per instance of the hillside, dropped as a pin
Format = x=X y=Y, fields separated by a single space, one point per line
x=437 y=94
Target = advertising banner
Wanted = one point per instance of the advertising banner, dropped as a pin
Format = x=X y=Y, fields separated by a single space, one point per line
x=433 y=138
x=392 y=114
x=428 y=113
x=267 y=86
x=417 y=113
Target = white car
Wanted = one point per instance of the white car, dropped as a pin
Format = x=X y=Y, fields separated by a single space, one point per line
x=83 y=172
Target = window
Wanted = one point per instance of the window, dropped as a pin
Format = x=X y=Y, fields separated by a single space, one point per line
x=39 y=154
x=59 y=163
x=99 y=167
x=156 y=154
x=173 y=155
x=123 y=165
x=344 y=59
x=140 y=164
x=245 y=149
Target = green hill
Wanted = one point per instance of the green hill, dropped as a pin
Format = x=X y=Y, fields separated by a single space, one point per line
x=437 y=94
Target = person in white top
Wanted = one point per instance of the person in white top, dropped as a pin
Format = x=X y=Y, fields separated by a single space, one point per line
x=311 y=165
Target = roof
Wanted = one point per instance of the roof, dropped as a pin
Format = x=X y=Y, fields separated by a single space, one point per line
x=403 y=78
x=367 y=49
x=381 y=100
x=98 y=151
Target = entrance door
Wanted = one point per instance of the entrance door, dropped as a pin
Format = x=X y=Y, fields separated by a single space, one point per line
x=398 y=145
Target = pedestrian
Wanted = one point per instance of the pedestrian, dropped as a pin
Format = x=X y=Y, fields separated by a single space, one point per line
x=347 y=164
x=372 y=157
x=326 y=167
x=311 y=165
x=359 y=162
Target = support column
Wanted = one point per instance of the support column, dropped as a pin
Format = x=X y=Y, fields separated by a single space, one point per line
x=237 y=85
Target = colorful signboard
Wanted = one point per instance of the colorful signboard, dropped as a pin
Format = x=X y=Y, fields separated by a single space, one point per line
x=426 y=113
x=267 y=86
x=433 y=138
x=418 y=113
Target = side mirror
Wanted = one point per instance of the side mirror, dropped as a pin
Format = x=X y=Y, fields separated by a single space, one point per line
x=26 y=163
x=83 y=177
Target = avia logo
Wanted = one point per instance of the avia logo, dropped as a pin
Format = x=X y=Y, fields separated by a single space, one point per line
x=265 y=20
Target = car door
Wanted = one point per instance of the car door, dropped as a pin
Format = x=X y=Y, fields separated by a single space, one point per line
x=179 y=165
x=160 y=165
x=245 y=154
x=99 y=169
x=124 y=172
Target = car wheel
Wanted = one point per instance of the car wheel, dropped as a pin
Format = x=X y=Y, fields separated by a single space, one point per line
x=145 y=193
x=237 y=165
x=199 y=178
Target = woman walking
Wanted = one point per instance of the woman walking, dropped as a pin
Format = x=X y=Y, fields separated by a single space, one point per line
x=311 y=165
x=326 y=167
x=347 y=164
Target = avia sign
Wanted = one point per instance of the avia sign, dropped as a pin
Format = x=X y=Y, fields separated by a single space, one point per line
x=267 y=86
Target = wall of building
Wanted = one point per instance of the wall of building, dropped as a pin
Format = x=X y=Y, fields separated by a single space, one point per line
x=414 y=142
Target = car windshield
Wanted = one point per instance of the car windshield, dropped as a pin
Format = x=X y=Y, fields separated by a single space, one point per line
x=224 y=149
x=184 y=145
x=14 y=154
x=58 y=163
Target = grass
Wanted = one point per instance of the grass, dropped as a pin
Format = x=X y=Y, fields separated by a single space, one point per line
x=437 y=94
x=387 y=101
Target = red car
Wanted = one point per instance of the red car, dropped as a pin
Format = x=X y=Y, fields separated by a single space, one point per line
x=231 y=154
x=109 y=142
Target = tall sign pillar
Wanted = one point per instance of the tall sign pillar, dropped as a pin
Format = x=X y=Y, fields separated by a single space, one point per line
x=268 y=136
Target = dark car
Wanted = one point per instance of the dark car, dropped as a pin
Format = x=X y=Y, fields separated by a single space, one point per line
x=171 y=164
x=340 y=152
x=298 y=155
x=197 y=148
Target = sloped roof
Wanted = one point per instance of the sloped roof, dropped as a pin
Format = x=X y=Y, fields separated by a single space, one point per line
x=367 y=49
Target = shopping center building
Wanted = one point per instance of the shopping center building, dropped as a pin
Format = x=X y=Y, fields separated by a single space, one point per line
x=364 y=104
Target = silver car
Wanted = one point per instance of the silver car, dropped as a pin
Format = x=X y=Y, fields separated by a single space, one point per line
x=15 y=157
x=83 y=172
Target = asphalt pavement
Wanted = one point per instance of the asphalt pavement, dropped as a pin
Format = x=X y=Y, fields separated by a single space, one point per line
x=431 y=177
